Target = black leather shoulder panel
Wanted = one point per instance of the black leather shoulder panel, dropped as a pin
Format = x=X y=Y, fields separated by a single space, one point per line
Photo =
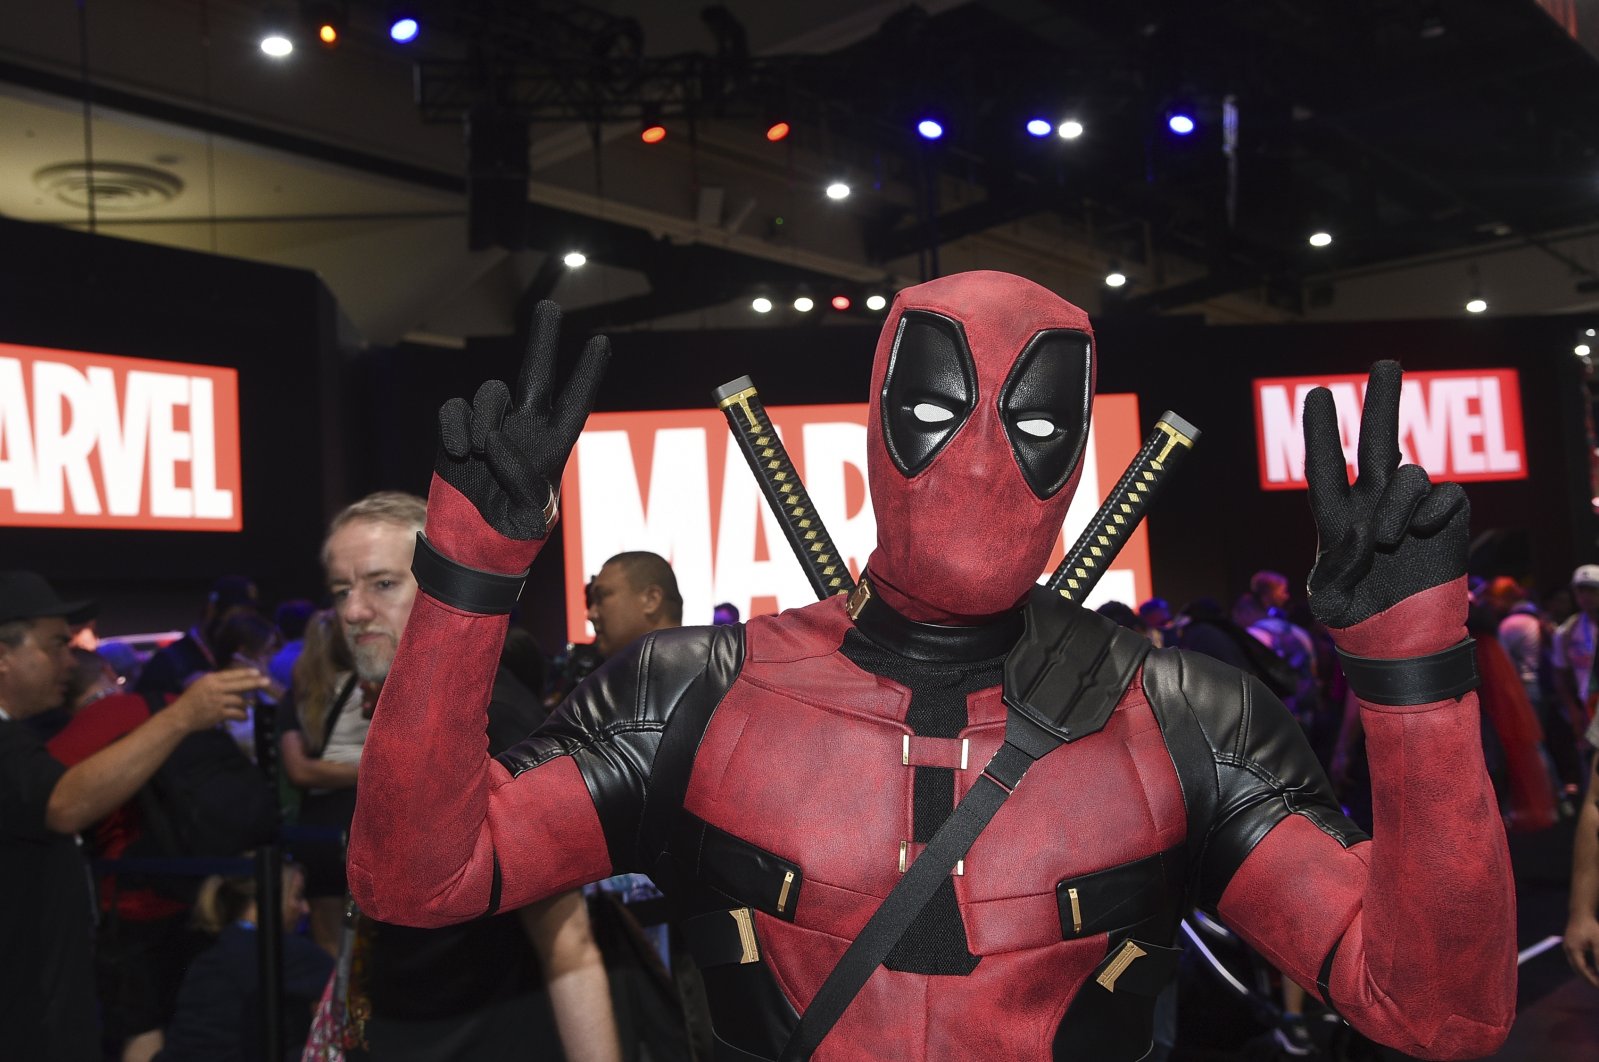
x=1243 y=763
x=634 y=726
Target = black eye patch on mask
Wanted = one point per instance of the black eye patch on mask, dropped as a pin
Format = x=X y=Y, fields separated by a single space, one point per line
x=929 y=390
x=1044 y=407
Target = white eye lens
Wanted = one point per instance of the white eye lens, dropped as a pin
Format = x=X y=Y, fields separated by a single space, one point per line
x=928 y=413
x=1040 y=427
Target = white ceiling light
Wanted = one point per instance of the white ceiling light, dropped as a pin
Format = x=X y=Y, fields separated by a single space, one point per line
x=1477 y=306
x=276 y=45
x=1321 y=239
x=804 y=304
x=574 y=259
x=1115 y=279
x=1070 y=129
x=838 y=190
x=875 y=302
x=761 y=304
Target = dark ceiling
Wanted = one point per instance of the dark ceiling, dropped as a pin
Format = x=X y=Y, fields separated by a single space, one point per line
x=1407 y=127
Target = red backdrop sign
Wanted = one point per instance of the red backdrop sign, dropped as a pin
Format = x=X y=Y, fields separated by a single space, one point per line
x=1459 y=425
x=101 y=441
x=673 y=483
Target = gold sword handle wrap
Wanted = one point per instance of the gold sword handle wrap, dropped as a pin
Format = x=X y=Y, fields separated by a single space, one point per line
x=1166 y=447
x=758 y=441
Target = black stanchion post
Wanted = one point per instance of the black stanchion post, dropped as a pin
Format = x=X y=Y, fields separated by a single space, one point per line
x=269 y=897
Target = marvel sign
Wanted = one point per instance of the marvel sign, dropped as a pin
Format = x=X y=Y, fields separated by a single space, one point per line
x=101 y=441
x=675 y=484
x=1459 y=425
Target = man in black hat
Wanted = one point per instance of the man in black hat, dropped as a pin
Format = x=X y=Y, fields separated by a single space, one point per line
x=47 y=1005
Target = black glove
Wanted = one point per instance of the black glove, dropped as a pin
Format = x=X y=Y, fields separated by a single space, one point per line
x=507 y=459
x=1393 y=534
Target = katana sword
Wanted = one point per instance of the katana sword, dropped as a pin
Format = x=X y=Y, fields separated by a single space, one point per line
x=1163 y=451
x=781 y=485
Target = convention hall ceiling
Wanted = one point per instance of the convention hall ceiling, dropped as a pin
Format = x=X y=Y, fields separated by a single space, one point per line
x=1446 y=150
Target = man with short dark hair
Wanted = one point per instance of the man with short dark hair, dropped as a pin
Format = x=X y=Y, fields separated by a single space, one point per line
x=633 y=594
x=47 y=1003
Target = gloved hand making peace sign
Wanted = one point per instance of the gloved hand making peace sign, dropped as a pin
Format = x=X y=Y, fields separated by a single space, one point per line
x=507 y=458
x=1389 y=579
x=499 y=464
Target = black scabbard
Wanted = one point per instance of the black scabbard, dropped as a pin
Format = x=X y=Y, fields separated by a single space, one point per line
x=781 y=485
x=1166 y=447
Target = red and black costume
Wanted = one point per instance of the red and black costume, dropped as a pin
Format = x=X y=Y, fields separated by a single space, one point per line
x=777 y=778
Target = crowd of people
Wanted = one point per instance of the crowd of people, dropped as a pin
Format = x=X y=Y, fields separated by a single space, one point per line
x=103 y=755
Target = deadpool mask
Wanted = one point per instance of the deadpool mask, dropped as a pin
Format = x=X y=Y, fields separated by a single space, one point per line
x=981 y=391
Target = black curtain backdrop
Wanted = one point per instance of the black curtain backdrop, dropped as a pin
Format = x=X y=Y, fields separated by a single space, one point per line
x=73 y=291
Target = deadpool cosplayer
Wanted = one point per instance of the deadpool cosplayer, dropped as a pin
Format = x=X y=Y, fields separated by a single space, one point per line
x=777 y=778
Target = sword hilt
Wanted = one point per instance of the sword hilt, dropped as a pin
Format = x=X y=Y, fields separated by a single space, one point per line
x=1166 y=447
x=759 y=442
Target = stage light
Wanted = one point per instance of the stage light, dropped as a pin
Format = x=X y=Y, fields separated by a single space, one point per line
x=328 y=34
x=929 y=129
x=651 y=130
x=1477 y=306
x=1321 y=239
x=1115 y=279
x=1070 y=129
x=838 y=190
x=875 y=302
x=327 y=19
x=761 y=304
x=804 y=304
x=574 y=259
x=1590 y=333
x=777 y=131
x=404 y=29
x=1038 y=127
x=276 y=45
x=840 y=303
x=1582 y=350
x=1180 y=123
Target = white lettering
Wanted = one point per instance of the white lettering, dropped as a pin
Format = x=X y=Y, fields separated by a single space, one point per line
x=832 y=452
x=1426 y=425
x=65 y=435
x=1279 y=430
x=1500 y=457
x=209 y=502
x=740 y=577
x=123 y=438
x=168 y=445
x=17 y=467
x=674 y=519
x=1465 y=425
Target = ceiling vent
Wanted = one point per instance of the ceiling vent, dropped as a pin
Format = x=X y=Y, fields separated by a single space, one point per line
x=116 y=187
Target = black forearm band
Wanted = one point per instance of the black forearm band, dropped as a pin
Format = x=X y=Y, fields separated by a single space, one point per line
x=1413 y=680
x=468 y=589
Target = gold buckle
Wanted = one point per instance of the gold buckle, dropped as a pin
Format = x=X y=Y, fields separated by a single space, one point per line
x=782 y=894
x=746 y=935
x=1077 y=912
x=858 y=598
x=1119 y=964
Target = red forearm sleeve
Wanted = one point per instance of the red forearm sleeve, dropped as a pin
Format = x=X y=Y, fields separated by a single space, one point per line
x=1411 y=936
x=439 y=827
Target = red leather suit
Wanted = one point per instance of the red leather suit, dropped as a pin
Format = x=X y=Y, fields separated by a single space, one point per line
x=776 y=778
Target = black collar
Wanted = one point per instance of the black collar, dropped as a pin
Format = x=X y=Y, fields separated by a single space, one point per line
x=930 y=641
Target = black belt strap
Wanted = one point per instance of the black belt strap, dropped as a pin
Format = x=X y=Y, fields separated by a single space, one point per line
x=459 y=586
x=1413 y=680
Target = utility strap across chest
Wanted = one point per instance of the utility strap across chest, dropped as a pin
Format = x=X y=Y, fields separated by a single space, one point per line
x=1089 y=661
